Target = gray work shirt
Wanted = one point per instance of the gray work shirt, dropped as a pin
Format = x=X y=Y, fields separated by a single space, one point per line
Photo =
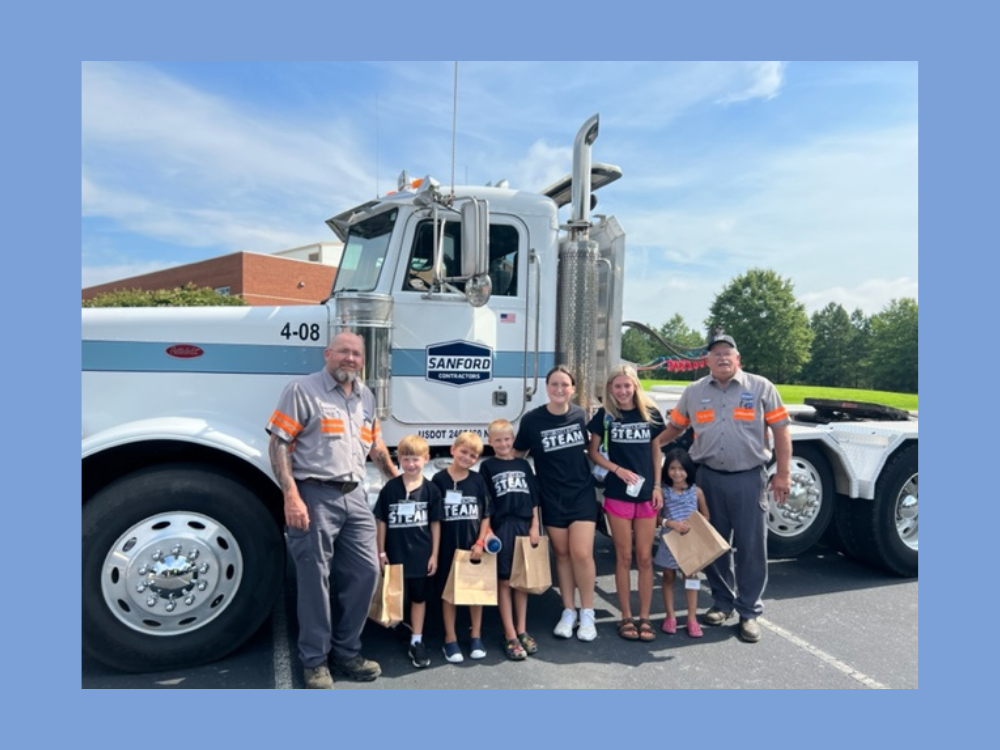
x=730 y=423
x=331 y=432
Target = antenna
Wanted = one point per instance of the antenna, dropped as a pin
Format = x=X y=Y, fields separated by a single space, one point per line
x=376 y=144
x=454 y=120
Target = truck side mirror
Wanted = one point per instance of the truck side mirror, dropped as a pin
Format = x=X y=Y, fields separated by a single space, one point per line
x=475 y=238
x=476 y=251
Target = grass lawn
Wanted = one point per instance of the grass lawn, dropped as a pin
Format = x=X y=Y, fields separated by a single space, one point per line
x=796 y=394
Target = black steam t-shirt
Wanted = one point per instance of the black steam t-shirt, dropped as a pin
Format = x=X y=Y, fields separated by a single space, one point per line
x=628 y=446
x=408 y=516
x=512 y=486
x=466 y=504
x=557 y=444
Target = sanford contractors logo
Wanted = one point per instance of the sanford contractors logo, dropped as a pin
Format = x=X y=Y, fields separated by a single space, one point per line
x=185 y=351
x=459 y=363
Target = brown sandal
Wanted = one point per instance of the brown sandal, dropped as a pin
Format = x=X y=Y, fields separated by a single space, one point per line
x=646 y=630
x=628 y=630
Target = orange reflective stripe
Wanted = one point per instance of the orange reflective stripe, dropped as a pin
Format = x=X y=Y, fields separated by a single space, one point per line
x=367 y=434
x=744 y=414
x=679 y=418
x=284 y=422
x=334 y=426
x=705 y=415
x=776 y=415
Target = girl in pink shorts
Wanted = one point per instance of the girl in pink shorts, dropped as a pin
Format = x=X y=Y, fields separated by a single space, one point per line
x=624 y=427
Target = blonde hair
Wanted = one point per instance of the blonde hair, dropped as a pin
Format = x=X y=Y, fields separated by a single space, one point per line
x=469 y=440
x=413 y=445
x=499 y=425
x=643 y=402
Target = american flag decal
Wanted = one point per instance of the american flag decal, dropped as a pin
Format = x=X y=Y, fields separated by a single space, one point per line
x=508 y=317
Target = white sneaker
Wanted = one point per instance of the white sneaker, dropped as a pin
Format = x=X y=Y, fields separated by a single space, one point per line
x=587 y=630
x=564 y=629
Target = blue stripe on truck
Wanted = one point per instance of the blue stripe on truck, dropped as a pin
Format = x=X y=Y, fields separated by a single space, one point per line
x=151 y=356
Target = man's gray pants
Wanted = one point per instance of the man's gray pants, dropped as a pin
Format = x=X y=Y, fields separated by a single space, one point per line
x=339 y=544
x=737 y=506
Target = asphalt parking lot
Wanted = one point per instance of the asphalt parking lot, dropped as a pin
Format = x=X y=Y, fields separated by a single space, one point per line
x=829 y=622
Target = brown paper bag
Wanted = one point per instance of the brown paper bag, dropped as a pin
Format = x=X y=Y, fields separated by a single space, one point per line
x=531 y=570
x=387 y=605
x=698 y=548
x=471 y=582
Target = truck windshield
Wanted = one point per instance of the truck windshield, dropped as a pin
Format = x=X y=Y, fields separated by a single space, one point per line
x=364 y=253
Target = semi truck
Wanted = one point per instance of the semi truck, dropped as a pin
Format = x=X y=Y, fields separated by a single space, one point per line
x=464 y=297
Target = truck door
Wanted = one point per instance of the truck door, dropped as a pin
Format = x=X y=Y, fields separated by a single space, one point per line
x=455 y=365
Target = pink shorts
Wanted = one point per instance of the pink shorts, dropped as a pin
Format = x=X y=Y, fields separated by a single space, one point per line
x=627 y=509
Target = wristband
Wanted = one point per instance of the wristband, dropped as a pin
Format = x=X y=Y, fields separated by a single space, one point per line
x=615 y=472
x=382 y=554
x=479 y=543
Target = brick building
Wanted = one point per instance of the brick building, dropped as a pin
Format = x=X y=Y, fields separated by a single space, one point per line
x=299 y=276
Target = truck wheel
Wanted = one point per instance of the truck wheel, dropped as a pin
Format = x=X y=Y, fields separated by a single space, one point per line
x=883 y=531
x=181 y=565
x=797 y=525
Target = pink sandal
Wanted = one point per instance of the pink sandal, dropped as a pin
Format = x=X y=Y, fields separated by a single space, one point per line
x=669 y=625
x=694 y=629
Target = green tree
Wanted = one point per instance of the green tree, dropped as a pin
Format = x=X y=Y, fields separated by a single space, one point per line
x=637 y=347
x=760 y=311
x=833 y=355
x=894 y=347
x=678 y=332
x=188 y=295
x=862 y=325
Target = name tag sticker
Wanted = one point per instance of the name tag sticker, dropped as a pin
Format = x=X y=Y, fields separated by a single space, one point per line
x=407 y=509
x=453 y=496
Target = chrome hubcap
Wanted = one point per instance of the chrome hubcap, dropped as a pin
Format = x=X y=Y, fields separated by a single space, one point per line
x=172 y=573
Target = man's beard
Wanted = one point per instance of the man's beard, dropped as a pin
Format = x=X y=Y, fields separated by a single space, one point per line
x=345 y=376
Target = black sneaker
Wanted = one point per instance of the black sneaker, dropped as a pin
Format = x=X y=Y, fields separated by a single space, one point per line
x=419 y=655
x=359 y=668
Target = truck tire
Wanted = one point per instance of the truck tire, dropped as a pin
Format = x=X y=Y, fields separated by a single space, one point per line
x=181 y=565
x=797 y=525
x=883 y=531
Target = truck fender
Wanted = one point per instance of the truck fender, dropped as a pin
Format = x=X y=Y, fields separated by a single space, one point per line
x=217 y=434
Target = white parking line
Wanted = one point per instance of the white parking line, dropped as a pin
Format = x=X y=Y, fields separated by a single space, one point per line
x=282 y=656
x=823 y=656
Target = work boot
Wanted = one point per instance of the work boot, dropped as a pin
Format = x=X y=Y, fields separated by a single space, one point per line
x=318 y=678
x=749 y=630
x=359 y=668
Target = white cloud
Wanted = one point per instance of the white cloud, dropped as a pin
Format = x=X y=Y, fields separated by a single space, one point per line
x=871 y=295
x=763 y=80
x=167 y=161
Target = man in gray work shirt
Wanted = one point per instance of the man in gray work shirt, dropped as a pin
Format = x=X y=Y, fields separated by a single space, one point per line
x=731 y=412
x=321 y=431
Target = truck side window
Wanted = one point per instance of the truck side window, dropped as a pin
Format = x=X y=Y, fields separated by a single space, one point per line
x=503 y=259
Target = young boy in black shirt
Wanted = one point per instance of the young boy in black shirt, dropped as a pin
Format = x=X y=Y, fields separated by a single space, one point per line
x=408 y=525
x=465 y=525
x=514 y=493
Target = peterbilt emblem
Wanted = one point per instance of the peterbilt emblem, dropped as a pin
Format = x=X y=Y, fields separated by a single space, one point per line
x=185 y=351
x=459 y=363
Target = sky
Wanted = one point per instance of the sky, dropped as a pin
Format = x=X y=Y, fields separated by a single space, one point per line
x=805 y=168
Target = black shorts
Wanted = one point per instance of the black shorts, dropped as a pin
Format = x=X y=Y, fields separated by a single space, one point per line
x=561 y=518
x=419 y=589
x=506 y=529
